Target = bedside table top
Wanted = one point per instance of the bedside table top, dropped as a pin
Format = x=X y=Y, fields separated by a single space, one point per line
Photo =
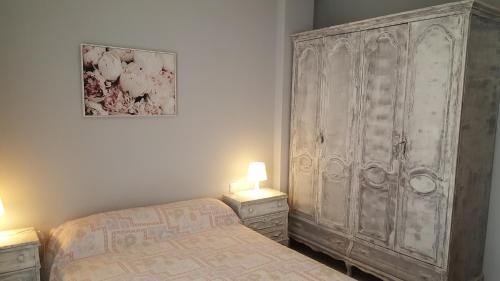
x=18 y=238
x=262 y=195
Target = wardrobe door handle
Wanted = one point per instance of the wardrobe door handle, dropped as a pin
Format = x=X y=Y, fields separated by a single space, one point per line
x=403 y=147
x=321 y=138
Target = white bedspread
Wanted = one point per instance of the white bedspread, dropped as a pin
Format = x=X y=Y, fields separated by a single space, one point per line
x=191 y=240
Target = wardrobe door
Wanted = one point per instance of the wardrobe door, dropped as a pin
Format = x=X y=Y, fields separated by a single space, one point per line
x=304 y=129
x=338 y=123
x=435 y=64
x=384 y=55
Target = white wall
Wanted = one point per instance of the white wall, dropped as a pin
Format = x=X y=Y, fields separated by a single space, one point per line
x=491 y=262
x=333 y=12
x=56 y=165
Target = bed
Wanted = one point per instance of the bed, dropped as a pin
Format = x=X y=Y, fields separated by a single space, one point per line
x=199 y=239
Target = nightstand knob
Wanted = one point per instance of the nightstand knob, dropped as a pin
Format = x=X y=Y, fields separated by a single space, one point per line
x=20 y=258
x=250 y=210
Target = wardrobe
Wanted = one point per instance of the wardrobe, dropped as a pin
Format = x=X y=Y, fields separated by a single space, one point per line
x=392 y=140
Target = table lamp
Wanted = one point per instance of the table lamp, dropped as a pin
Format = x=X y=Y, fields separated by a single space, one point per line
x=256 y=173
x=2 y=210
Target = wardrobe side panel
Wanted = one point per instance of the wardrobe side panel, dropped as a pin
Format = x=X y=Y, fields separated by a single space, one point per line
x=476 y=149
x=304 y=127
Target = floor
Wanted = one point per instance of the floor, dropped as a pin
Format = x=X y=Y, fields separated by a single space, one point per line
x=333 y=263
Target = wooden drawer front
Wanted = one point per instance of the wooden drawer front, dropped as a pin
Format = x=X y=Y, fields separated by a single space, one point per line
x=263 y=222
x=17 y=259
x=395 y=264
x=311 y=232
x=25 y=275
x=275 y=233
x=264 y=208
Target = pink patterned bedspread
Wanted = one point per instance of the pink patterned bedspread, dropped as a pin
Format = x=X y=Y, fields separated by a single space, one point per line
x=190 y=240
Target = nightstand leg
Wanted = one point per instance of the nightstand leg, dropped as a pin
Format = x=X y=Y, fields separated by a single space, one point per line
x=348 y=266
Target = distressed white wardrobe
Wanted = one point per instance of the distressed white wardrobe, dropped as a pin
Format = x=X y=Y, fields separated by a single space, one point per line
x=392 y=139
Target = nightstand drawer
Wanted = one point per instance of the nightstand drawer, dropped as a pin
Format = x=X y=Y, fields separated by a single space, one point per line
x=17 y=259
x=263 y=208
x=275 y=233
x=25 y=275
x=263 y=222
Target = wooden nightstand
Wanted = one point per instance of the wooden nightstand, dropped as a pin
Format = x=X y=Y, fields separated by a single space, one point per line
x=19 y=258
x=265 y=211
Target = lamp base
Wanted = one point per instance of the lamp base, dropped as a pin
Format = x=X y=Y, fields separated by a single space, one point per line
x=257 y=186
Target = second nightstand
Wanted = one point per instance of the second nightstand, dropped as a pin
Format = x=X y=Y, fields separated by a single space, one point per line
x=265 y=211
x=19 y=258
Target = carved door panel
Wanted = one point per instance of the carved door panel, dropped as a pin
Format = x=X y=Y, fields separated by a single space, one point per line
x=430 y=114
x=338 y=123
x=384 y=54
x=304 y=129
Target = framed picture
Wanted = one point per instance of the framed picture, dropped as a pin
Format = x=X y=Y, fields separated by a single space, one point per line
x=128 y=82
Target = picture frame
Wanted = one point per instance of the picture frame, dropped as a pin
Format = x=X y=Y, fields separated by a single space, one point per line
x=128 y=82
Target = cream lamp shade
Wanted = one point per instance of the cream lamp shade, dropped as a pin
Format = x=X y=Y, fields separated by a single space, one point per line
x=257 y=173
x=2 y=210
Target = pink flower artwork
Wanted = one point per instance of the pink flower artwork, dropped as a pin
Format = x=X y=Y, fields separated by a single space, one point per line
x=128 y=82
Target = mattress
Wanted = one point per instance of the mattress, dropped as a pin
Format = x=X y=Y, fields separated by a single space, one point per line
x=191 y=240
